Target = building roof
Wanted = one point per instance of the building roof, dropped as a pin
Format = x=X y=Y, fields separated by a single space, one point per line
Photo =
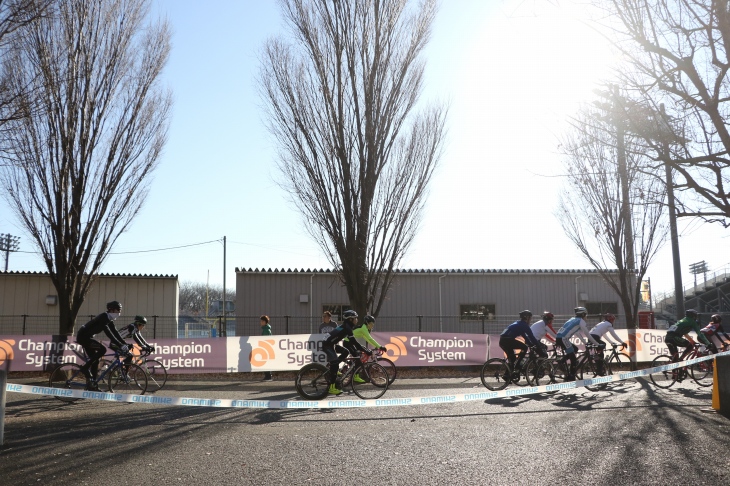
x=436 y=271
x=116 y=275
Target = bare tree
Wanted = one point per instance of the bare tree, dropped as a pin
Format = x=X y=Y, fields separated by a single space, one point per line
x=677 y=52
x=15 y=14
x=93 y=126
x=197 y=299
x=590 y=208
x=355 y=157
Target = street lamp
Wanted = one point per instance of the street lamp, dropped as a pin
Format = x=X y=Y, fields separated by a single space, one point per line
x=8 y=243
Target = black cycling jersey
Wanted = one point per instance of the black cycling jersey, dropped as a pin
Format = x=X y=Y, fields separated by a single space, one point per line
x=344 y=330
x=100 y=323
x=132 y=331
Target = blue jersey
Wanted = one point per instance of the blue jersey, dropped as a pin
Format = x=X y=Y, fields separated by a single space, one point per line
x=520 y=328
x=574 y=325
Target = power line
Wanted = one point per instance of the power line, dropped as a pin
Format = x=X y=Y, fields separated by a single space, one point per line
x=146 y=251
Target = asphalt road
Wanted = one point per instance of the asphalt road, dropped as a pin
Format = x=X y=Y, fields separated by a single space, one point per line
x=631 y=434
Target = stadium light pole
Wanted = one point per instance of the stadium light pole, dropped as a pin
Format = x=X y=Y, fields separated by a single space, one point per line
x=8 y=243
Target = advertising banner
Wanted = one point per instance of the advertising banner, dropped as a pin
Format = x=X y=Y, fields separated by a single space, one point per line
x=42 y=353
x=277 y=353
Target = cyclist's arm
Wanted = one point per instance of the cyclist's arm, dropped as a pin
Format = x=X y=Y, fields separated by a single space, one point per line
x=701 y=336
x=550 y=333
x=140 y=340
x=529 y=337
x=113 y=335
x=615 y=336
x=584 y=328
x=363 y=333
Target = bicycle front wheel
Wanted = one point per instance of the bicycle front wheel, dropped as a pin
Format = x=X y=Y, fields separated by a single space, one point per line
x=664 y=378
x=131 y=382
x=312 y=382
x=370 y=381
x=619 y=363
x=495 y=374
x=589 y=370
x=156 y=374
x=390 y=368
x=703 y=372
x=68 y=376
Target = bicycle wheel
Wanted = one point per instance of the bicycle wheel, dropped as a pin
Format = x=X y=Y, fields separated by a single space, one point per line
x=703 y=372
x=68 y=376
x=495 y=374
x=665 y=378
x=589 y=370
x=156 y=374
x=133 y=382
x=102 y=377
x=372 y=382
x=312 y=382
x=390 y=368
x=619 y=363
x=540 y=372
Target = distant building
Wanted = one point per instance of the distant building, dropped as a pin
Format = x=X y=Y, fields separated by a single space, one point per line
x=453 y=300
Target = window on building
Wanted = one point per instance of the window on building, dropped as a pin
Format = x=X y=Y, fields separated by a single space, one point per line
x=336 y=310
x=600 y=308
x=475 y=312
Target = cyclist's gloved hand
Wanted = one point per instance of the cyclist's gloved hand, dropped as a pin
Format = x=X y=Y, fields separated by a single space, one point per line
x=150 y=349
x=625 y=345
x=382 y=348
x=124 y=349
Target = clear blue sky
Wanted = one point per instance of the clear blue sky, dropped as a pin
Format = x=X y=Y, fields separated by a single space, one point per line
x=511 y=70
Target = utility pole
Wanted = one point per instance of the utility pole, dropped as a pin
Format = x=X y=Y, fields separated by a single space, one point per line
x=624 y=176
x=224 y=325
x=8 y=243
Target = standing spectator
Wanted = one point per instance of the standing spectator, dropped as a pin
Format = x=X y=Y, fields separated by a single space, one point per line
x=328 y=325
x=266 y=331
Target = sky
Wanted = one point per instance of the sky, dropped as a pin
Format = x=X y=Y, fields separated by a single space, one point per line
x=512 y=72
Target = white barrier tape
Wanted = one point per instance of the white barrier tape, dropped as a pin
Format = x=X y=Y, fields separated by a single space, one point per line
x=346 y=403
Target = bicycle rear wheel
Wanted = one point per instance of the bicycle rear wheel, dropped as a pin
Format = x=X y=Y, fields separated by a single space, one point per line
x=703 y=372
x=312 y=382
x=390 y=368
x=132 y=382
x=68 y=376
x=664 y=378
x=589 y=371
x=372 y=382
x=495 y=374
x=102 y=377
x=156 y=375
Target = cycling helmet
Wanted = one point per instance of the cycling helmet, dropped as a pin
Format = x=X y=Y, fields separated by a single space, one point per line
x=547 y=316
x=349 y=314
x=609 y=317
x=140 y=320
x=525 y=313
x=690 y=313
x=113 y=305
x=581 y=310
x=369 y=319
x=716 y=318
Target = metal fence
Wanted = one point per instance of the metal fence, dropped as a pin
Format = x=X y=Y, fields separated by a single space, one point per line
x=159 y=327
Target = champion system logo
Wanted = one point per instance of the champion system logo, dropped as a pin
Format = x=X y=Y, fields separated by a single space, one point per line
x=262 y=353
x=396 y=347
x=6 y=350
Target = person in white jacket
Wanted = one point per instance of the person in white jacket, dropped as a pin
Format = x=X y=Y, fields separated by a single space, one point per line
x=599 y=330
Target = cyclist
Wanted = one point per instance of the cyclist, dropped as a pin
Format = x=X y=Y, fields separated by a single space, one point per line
x=603 y=327
x=714 y=328
x=508 y=340
x=362 y=332
x=543 y=329
x=134 y=331
x=336 y=354
x=675 y=333
x=94 y=349
x=576 y=325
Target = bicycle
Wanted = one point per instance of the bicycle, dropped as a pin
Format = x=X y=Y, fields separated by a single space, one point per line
x=156 y=371
x=588 y=366
x=312 y=381
x=496 y=373
x=386 y=363
x=131 y=381
x=701 y=373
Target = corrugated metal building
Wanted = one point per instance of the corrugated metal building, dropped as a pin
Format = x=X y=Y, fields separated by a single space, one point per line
x=32 y=294
x=458 y=297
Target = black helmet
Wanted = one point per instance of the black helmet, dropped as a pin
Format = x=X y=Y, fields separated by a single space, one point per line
x=690 y=313
x=140 y=319
x=716 y=318
x=113 y=305
x=369 y=319
x=525 y=313
x=349 y=314
x=581 y=310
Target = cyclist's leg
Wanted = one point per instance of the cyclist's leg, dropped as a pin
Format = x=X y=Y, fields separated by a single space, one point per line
x=523 y=352
x=599 y=354
x=669 y=341
x=507 y=344
x=94 y=350
x=332 y=361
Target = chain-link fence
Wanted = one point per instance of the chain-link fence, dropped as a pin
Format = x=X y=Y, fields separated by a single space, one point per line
x=159 y=327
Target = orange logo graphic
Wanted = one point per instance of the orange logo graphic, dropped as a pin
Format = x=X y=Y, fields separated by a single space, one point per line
x=6 y=350
x=396 y=347
x=264 y=352
x=634 y=343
